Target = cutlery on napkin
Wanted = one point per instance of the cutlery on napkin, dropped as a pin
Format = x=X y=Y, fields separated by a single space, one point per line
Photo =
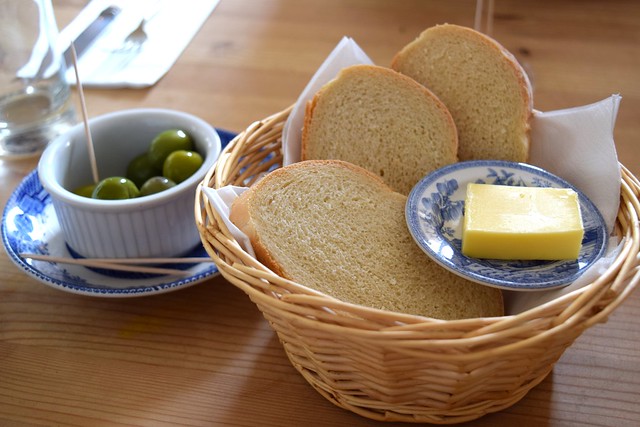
x=170 y=26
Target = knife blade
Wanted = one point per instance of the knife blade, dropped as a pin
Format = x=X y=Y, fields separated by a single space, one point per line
x=91 y=33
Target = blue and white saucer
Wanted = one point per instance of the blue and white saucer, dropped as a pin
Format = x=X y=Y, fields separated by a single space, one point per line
x=435 y=210
x=29 y=225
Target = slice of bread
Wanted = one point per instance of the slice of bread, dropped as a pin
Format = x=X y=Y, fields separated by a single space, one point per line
x=339 y=229
x=379 y=119
x=481 y=83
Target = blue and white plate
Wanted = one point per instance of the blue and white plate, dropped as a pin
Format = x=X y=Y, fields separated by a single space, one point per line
x=29 y=225
x=435 y=210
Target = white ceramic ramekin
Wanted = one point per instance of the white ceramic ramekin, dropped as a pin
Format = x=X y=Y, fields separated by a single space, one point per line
x=158 y=225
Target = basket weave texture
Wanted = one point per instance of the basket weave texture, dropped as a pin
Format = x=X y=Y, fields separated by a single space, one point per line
x=396 y=367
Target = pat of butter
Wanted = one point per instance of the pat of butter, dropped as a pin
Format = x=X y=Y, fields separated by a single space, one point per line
x=521 y=223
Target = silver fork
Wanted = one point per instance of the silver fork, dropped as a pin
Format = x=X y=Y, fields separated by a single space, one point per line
x=135 y=39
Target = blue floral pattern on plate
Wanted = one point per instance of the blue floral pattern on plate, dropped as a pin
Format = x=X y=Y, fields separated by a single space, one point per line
x=29 y=225
x=435 y=210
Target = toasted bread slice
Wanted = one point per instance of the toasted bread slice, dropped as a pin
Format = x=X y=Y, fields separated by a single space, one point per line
x=339 y=229
x=383 y=121
x=483 y=86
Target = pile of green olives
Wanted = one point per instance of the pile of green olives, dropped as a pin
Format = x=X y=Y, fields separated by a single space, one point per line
x=170 y=159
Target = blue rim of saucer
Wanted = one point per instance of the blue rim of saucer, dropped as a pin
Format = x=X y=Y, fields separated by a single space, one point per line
x=29 y=225
x=435 y=209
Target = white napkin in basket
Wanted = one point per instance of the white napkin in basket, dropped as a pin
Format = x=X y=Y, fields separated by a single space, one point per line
x=221 y=201
x=576 y=144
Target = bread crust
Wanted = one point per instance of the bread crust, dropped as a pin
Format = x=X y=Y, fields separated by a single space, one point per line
x=240 y=216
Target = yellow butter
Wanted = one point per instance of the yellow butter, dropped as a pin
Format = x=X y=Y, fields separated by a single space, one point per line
x=521 y=223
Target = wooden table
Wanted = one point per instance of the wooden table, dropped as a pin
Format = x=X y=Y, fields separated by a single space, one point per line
x=204 y=355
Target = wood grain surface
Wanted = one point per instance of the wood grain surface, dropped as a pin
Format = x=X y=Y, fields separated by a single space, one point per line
x=204 y=356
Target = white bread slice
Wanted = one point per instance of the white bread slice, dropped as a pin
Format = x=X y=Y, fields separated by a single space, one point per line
x=383 y=121
x=339 y=229
x=481 y=83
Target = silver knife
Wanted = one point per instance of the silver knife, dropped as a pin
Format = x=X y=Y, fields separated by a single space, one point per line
x=91 y=33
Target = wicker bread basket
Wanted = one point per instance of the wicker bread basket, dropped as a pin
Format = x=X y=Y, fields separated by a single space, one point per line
x=397 y=367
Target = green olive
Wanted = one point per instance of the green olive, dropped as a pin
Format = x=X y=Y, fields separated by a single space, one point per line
x=167 y=142
x=85 y=190
x=181 y=164
x=115 y=188
x=156 y=184
x=140 y=169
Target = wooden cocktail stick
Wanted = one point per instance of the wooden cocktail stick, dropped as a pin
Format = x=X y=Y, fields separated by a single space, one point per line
x=124 y=264
x=85 y=118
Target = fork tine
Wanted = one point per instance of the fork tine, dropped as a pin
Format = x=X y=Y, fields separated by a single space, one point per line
x=134 y=40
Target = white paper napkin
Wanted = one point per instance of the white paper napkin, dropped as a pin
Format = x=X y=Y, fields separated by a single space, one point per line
x=575 y=144
x=221 y=201
x=171 y=24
